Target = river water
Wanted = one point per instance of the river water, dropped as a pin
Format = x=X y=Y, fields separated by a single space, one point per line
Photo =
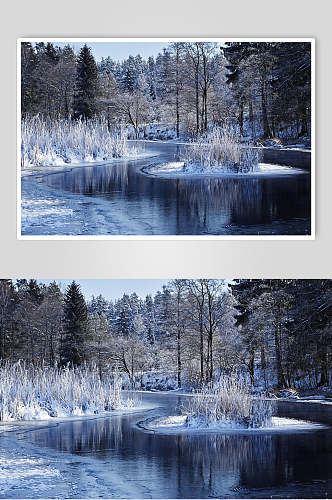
x=277 y=204
x=285 y=464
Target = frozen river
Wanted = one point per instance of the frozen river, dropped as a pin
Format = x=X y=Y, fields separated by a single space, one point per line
x=113 y=457
x=120 y=199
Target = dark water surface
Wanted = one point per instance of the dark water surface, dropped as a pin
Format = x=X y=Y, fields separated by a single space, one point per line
x=286 y=464
x=223 y=205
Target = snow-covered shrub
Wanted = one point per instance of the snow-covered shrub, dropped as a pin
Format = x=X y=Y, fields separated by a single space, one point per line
x=46 y=141
x=289 y=393
x=221 y=148
x=229 y=402
x=28 y=392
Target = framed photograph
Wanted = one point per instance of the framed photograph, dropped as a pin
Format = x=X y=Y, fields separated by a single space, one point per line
x=166 y=138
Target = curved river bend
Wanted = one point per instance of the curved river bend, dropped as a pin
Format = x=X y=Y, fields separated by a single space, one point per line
x=138 y=204
x=252 y=464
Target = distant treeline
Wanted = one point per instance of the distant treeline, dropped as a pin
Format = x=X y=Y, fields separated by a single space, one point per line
x=263 y=88
x=278 y=332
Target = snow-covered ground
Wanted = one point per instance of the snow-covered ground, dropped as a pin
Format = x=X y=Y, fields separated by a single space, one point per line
x=179 y=169
x=45 y=210
x=181 y=142
x=177 y=423
x=135 y=153
x=53 y=212
x=314 y=399
x=48 y=211
x=29 y=471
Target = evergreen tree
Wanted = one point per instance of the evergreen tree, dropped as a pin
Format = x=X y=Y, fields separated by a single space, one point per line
x=75 y=327
x=8 y=300
x=28 y=81
x=35 y=291
x=86 y=84
x=51 y=53
x=129 y=75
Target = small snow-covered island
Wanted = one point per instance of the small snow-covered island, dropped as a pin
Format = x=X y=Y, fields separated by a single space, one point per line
x=198 y=138
x=204 y=386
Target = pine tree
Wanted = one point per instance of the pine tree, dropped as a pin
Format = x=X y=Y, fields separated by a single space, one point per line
x=86 y=84
x=129 y=75
x=8 y=300
x=28 y=82
x=51 y=53
x=72 y=350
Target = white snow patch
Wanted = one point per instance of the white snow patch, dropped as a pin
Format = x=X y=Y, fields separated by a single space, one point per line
x=67 y=167
x=315 y=400
x=179 y=169
x=177 y=423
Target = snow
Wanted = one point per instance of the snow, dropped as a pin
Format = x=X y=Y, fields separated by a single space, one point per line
x=177 y=423
x=314 y=399
x=154 y=132
x=45 y=210
x=29 y=471
x=178 y=169
x=21 y=474
x=181 y=142
x=62 y=167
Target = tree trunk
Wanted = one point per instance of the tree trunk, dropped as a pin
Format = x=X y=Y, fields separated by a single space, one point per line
x=177 y=100
x=266 y=126
x=197 y=102
x=201 y=328
x=179 y=358
x=251 y=367
x=280 y=374
x=177 y=114
x=241 y=118
x=252 y=120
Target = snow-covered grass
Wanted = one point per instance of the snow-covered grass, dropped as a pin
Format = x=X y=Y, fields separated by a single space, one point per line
x=221 y=148
x=41 y=393
x=46 y=141
x=229 y=403
x=178 y=423
x=180 y=169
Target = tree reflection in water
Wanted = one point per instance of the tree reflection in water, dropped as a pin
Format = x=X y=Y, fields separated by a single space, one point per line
x=249 y=464
x=209 y=205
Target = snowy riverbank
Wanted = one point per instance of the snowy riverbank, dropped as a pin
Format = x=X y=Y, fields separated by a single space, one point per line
x=30 y=471
x=45 y=210
x=178 y=424
x=179 y=169
x=182 y=142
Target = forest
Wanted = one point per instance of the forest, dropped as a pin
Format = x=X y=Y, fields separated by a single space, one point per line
x=262 y=89
x=275 y=333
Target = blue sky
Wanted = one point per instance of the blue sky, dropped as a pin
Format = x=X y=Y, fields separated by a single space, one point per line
x=119 y=50
x=114 y=288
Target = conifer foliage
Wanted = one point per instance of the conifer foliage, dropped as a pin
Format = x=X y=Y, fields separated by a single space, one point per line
x=86 y=84
x=75 y=327
x=262 y=89
x=275 y=333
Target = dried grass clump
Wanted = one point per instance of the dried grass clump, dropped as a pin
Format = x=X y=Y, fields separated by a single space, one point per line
x=46 y=141
x=28 y=392
x=221 y=148
x=229 y=403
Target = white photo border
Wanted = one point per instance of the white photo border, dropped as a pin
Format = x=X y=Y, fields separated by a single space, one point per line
x=309 y=237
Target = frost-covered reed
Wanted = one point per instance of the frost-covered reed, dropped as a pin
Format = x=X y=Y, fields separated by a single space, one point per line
x=28 y=392
x=46 y=141
x=229 y=403
x=221 y=148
